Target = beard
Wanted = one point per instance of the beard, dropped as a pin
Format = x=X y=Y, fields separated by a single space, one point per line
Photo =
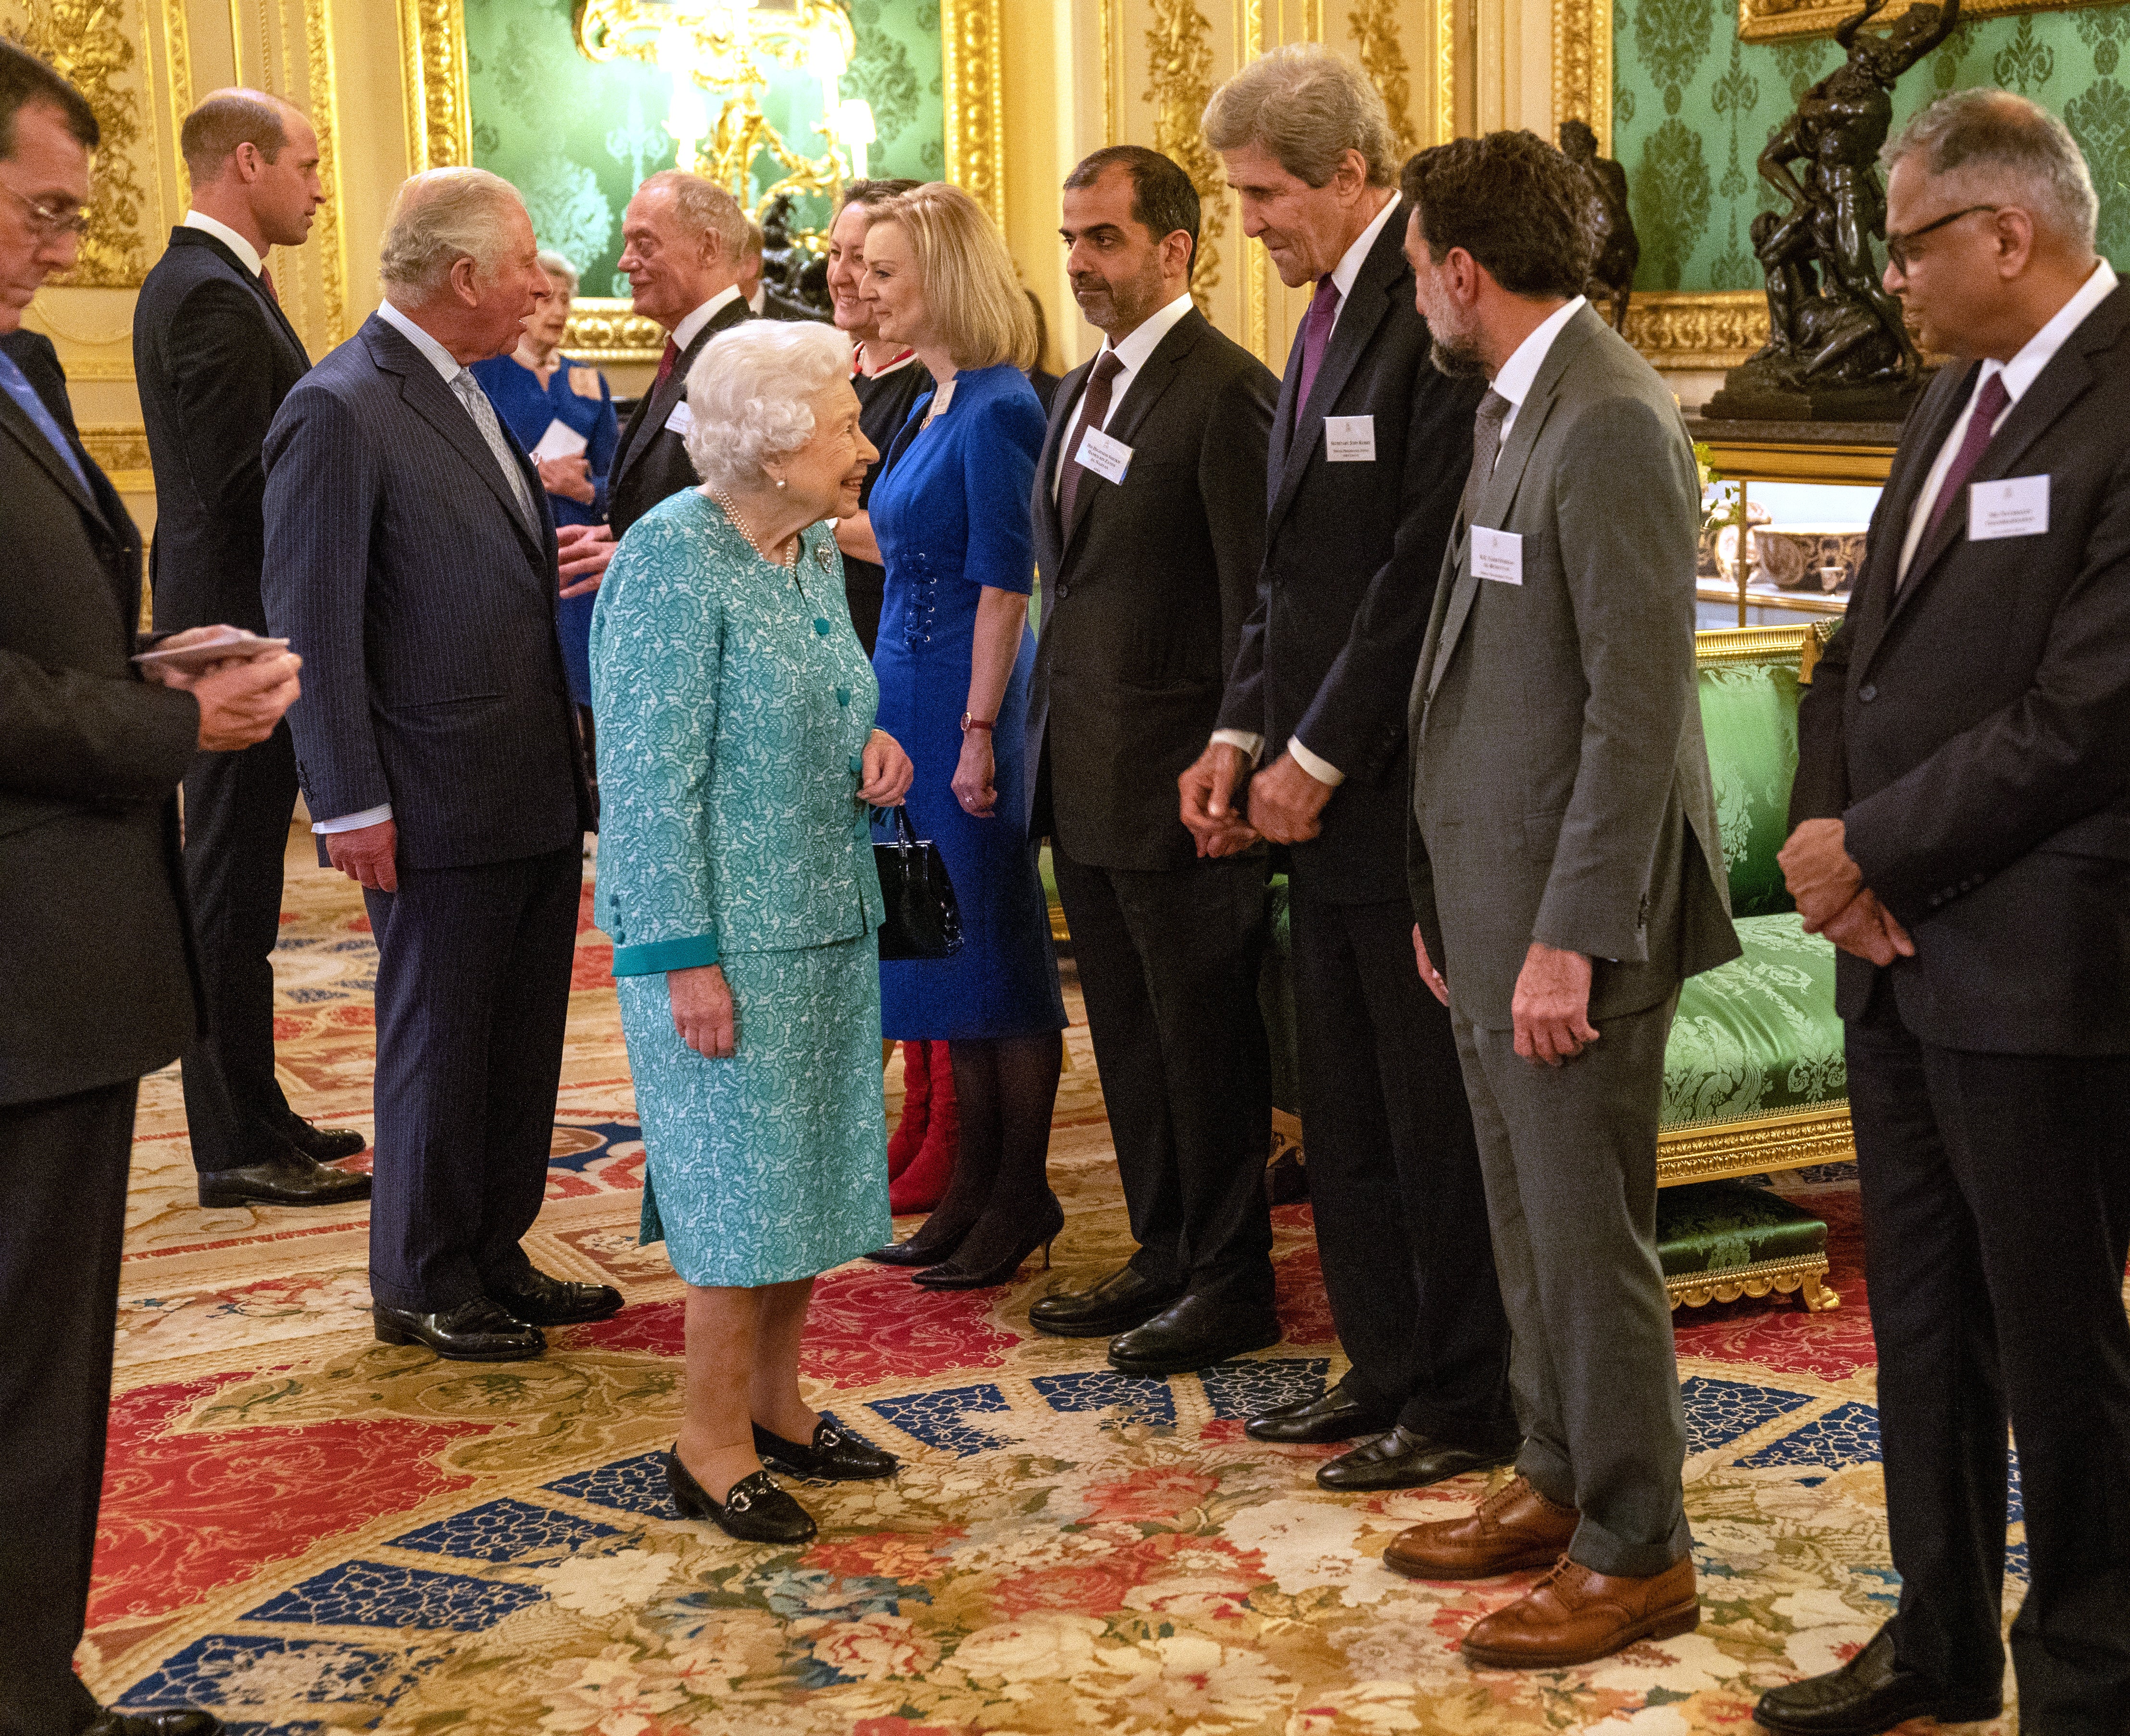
x=1458 y=358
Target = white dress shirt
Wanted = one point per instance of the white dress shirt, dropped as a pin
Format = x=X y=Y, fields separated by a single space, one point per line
x=684 y=333
x=2019 y=373
x=1138 y=344
x=1514 y=381
x=247 y=255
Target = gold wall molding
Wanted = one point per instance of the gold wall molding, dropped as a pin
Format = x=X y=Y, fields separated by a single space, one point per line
x=973 y=83
x=1682 y=329
x=1776 y=20
x=439 y=121
x=331 y=238
x=1374 y=24
x=1583 y=66
x=603 y=331
x=116 y=446
x=1445 y=71
x=1179 y=60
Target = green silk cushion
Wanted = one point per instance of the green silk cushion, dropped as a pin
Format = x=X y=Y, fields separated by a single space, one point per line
x=1759 y=1036
x=1720 y=1226
x=1749 y=714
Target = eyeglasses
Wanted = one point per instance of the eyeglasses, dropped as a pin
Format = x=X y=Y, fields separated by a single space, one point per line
x=44 y=219
x=1897 y=246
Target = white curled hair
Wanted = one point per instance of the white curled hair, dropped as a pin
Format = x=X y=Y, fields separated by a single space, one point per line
x=747 y=395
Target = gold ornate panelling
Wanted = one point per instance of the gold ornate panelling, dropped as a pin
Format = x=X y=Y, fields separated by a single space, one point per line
x=1583 y=65
x=1774 y=20
x=605 y=331
x=1374 y=24
x=1682 y=329
x=439 y=118
x=1179 y=61
x=331 y=239
x=116 y=446
x=974 y=87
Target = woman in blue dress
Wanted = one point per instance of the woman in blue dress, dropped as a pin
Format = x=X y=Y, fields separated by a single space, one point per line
x=953 y=657
x=532 y=388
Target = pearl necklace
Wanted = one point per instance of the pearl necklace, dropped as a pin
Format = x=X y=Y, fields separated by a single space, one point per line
x=739 y=524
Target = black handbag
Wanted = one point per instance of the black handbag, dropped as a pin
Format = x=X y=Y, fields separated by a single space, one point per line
x=923 y=921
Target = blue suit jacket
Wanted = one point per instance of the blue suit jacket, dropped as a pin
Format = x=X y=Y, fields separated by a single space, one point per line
x=400 y=567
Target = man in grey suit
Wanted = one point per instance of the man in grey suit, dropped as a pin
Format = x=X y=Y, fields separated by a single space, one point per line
x=410 y=556
x=1566 y=877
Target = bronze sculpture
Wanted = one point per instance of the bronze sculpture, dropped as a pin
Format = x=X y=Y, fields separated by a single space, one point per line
x=1837 y=349
x=1618 y=250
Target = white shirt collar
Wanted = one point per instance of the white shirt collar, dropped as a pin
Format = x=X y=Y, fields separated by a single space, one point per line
x=247 y=255
x=446 y=364
x=2040 y=350
x=684 y=333
x=1350 y=262
x=1144 y=338
x=1514 y=381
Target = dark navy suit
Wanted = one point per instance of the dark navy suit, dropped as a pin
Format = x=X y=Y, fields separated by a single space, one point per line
x=401 y=566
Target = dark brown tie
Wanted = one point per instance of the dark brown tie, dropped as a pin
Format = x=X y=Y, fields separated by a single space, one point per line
x=1094 y=412
x=1486 y=448
x=266 y=282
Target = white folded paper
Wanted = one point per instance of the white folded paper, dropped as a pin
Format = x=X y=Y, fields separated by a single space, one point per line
x=560 y=441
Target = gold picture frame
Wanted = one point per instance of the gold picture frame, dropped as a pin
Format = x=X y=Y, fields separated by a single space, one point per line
x=1772 y=20
x=603 y=330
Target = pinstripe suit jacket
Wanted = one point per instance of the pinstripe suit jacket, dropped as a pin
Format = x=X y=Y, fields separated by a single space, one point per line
x=400 y=567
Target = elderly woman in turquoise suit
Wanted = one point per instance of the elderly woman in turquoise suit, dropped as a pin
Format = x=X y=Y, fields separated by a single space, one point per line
x=738 y=759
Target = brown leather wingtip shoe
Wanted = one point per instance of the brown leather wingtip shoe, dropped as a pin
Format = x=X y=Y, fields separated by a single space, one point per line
x=1575 y=1615
x=1514 y=1528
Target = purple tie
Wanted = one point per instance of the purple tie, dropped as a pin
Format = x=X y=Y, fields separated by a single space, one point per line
x=1316 y=336
x=1988 y=405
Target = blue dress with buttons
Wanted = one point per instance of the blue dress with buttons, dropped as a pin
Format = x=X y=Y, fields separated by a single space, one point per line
x=951 y=516
x=733 y=702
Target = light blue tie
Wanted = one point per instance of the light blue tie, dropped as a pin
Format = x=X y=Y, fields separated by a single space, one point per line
x=475 y=401
x=17 y=385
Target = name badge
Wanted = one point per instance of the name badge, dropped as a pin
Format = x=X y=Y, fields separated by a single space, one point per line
x=682 y=419
x=2019 y=506
x=942 y=400
x=1349 y=439
x=1107 y=458
x=584 y=382
x=1497 y=555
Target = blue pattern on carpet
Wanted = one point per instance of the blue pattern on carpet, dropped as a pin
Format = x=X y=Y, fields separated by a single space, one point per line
x=1845 y=1436
x=629 y=1486
x=936 y=1418
x=1719 y=1411
x=377 y=1594
x=1138 y=1398
x=504 y=1531
x=1240 y=1390
x=243 y=1669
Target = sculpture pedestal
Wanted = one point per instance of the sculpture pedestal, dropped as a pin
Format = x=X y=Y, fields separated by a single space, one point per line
x=1754 y=392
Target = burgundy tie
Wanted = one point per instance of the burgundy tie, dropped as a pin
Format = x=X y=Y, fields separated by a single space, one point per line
x=266 y=282
x=1315 y=337
x=1988 y=405
x=666 y=358
x=1094 y=412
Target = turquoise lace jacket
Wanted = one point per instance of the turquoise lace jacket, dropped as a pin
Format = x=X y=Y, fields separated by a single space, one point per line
x=732 y=705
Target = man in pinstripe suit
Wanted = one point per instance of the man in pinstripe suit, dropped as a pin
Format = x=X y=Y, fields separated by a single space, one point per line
x=409 y=553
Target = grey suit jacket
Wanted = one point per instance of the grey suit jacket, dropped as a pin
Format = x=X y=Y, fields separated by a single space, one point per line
x=1560 y=786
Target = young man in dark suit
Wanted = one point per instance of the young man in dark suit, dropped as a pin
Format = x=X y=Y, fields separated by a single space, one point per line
x=1369 y=448
x=214 y=355
x=93 y=947
x=1962 y=833
x=410 y=555
x=1149 y=538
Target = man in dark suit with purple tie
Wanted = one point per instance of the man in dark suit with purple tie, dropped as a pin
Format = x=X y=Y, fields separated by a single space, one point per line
x=1962 y=833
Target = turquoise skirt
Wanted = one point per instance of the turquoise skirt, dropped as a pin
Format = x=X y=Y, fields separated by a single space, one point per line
x=772 y=1164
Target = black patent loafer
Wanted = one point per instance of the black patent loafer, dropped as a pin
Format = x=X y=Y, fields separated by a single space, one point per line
x=1869 y=1694
x=754 y=1511
x=835 y=1454
x=1196 y=1332
x=1118 y=1303
x=168 y=1721
x=1332 y=1415
x=292 y=1179
x=1403 y=1458
x=324 y=1144
x=474 y=1331
x=539 y=1300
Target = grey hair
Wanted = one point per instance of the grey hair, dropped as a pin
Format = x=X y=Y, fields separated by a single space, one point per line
x=704 y=206
x=1306 y=107
x=557 y=264
x=747 y=393
x=1993 y=140
x=438 y=217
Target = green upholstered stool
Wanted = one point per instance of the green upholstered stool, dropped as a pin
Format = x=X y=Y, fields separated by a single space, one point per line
x=1721 y=1240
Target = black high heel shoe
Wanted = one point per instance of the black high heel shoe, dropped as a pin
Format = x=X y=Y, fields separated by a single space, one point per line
x=953 y=1275
x=914 y=1250
x=754 y=1511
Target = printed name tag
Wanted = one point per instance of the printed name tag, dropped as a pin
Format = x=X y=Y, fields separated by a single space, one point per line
x=1107 y=458
x=1349 y=439
x=2019 y=506
x=584 y=382
x=682 y=419
x=1497 y=555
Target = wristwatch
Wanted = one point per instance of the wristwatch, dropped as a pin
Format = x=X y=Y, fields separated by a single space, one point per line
x=969 y=723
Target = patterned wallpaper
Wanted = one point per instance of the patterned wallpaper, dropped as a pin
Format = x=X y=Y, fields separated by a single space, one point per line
x=575 y=137
x=1693 y=106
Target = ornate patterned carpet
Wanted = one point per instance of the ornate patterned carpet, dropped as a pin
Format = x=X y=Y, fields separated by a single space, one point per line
x=311 y=1532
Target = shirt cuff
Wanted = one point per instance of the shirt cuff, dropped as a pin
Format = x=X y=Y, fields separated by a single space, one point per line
x=355 y=822
x=1251 y=745
x=1322 y=770
x=689 y=951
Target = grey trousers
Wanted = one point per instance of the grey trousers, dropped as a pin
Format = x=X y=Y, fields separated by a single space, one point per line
x=1569 y=1154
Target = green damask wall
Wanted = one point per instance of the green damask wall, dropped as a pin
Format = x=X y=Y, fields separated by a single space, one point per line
x=575 y=137
x=1693 y=106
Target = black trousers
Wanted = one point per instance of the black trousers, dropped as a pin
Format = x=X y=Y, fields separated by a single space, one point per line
x=237 y=807
x=63 y=1170
x=1394 y=1178
x=1168 y=967
x=1996 y=1212
x=473 y=993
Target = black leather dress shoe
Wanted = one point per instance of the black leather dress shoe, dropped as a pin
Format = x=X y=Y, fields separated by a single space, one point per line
x=327 y=1144
x=1118 y=1303
x=478 y=1331
x=754 y=1511
x=293 y=1178
x=539 y=1300
x=835 y=1454
x=1195 y=1332
x=1868 y=1694
x=1404 y=1459
x=1334 y=1414
x=171 y=1721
